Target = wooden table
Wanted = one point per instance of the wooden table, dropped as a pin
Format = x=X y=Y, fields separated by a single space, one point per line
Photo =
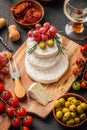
x=53 y=14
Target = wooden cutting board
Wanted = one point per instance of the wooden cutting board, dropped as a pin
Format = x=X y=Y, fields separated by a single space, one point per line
x=55 y=90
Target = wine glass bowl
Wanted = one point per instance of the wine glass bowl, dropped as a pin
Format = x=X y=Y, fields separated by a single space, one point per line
x=77 y=13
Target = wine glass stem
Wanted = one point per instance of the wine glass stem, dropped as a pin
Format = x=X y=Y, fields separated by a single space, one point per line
x=78 y=27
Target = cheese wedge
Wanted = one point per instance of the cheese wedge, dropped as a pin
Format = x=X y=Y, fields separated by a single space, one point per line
x=39 y=93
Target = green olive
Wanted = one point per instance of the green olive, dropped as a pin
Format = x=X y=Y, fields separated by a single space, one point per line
x=72 y=108
x=77 y=120
x=70 y=98
x=62 y=101
x=67 y=115
x=75 y=102
x=64 y=110
x=84 y=105
x=70 y=122
x=42 y=45
x=82 y=116
x=67 y=104
x=57 y=104
x=2 y=22
x=73 y=114
x=59 y=114
x=80 y=109
x=50 y=43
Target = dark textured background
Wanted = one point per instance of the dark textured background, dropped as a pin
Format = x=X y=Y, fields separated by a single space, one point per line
x=53 y=14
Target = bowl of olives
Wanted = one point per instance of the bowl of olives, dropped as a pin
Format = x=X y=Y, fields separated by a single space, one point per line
x=70 y=110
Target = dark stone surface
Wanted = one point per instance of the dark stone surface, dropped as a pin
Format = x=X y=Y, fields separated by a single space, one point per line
x=53 y=14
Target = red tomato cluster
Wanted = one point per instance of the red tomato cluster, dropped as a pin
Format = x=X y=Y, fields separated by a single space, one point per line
x=44 y=33
x=80 y=65
x=83 y=50
x=79 y=71
x=4 y=70
x=17 y=114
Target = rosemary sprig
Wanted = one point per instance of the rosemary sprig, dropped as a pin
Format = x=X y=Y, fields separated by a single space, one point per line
x=59 y=44
x=32 y=49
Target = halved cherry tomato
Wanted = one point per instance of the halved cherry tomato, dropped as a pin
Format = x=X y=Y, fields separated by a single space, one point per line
x=77 y=72
x=85 y=76
x=28 y=120
x=80 y=62
x=6 y=95
x=10 y=112
x=83 y=50
x=21 y=111
x=14 y=102
x=25 y=128
x=84 y=84
x=1 y=87
x=16 y=122
x=2 y=106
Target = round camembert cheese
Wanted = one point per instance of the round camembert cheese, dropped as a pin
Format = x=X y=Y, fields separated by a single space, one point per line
x=45 y=66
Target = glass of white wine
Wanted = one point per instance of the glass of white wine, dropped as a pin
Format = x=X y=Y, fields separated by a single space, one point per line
x=76 y=11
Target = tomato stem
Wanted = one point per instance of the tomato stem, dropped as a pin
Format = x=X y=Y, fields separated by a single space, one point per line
x=84 y=71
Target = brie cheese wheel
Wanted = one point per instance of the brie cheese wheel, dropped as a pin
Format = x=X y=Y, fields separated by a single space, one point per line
x=48 y=52
x=43 y=64
x=39 y=93
x=50 y=75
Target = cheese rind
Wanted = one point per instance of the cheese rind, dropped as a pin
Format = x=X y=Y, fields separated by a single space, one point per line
x=48 y=52
x=51 y=75
x=39 y=93
x=43 y=64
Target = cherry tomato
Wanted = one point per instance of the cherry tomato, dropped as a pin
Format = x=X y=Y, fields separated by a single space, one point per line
x=30 y=33
x=4 y=71
x=37 y=36
x=84 y=84
x=1 y=77
x=2 y=107
x=13 y=101
x=85 y=76
x=77 y=72
x=1 y=87
x=83 y=50
x=42 y=30
x=25 y=128
x=49 y=35
x=4 y=63
x=53 y=30
x=3 y=57
x=80 y=62
x=16 y=122
x=28 y=120
x=10 y=112
x=6 y=95
x=76 y=86
x=38 y=26
x=44 y=37
x=21 y=111
x=46 y=25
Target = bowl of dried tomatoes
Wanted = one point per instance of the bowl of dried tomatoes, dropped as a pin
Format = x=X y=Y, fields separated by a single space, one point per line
x=27 y=13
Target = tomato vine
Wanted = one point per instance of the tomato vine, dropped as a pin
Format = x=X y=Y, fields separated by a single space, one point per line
x=9 y=105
